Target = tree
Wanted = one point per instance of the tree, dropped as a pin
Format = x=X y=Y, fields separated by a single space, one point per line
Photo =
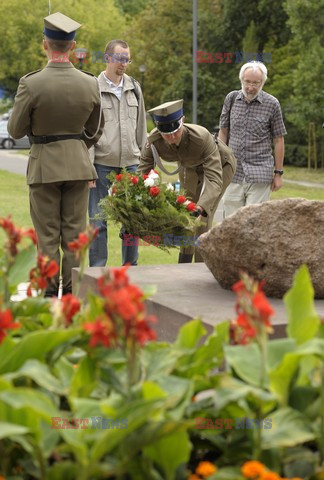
x=21 y=46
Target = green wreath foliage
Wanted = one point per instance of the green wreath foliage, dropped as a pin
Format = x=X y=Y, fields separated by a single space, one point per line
x=154 y=212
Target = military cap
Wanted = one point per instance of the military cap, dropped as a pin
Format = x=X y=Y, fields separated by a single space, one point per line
x=167 y=117
x=60 y=27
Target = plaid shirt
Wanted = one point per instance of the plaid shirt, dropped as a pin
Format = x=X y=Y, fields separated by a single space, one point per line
x=252 y=126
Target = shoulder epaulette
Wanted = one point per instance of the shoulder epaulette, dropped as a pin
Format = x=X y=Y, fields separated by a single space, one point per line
x=88 y=73
x=32 y=73
x=154 y=135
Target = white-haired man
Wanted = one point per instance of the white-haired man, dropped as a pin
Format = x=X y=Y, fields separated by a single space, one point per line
x=250 y=121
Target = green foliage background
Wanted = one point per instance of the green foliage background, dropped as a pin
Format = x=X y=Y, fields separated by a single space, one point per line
x=160 y=37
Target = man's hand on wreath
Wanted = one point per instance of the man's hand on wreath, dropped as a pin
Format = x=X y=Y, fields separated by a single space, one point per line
x=199 y=212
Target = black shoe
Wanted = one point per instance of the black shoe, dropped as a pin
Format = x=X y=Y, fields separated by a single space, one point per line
x=185 y=258
x=65 y=291
x=50 y=293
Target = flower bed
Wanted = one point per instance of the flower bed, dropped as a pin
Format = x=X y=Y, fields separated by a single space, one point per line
x=86 y=392
x=150 y=210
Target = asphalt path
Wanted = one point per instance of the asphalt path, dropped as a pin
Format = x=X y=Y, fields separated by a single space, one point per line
x=13 y=162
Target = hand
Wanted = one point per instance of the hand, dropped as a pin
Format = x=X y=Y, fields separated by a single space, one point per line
x=276 y=183
x=199 y=212
x=92 y=184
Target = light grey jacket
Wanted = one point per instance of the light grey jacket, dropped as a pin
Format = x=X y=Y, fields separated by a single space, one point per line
x=124 y=133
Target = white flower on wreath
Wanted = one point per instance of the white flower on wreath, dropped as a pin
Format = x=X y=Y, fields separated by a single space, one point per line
x=153 y=174
x=170 y=187
x=138 y=198
x=149 y=182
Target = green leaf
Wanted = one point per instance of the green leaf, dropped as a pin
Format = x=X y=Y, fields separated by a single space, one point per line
x=34 y=345
x=170 y=452
x=83 y=381
x=289 y=428
x=303 y=321
x=24 y=261
x=37 y=401
x=281 y=376
x=9 y=429
x=40 y=373
x=190 y=334
x=136 y=412
x=245 y=360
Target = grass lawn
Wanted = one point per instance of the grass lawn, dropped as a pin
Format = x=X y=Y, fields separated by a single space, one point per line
x=14 y=201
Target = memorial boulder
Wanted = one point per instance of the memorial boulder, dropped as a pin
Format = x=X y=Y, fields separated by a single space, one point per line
x=269 y=241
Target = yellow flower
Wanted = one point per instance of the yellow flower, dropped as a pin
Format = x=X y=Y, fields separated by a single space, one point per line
x=205 y=469
x=252 y=469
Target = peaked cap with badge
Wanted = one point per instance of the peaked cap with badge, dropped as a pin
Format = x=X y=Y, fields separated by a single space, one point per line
x=167 y=117
x=60 y=27
x=61 y=127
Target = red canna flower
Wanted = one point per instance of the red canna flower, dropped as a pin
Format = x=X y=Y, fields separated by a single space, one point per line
x=124 y=306
x=134 y=180
x=154 y=191
x=262 y=305
x=83 y=241
x=253 y=309
x=102 y=331
x=40 y=275
x=15 y=235
x=181 y=199
x=119 y=177
x=70 y=306
x=6 y=323
x=191 y=207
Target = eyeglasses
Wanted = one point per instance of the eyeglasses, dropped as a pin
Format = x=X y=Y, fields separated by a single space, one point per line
x=119 y=58
x=251 y=84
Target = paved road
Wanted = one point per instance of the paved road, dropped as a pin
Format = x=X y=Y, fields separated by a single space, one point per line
x=13 y=162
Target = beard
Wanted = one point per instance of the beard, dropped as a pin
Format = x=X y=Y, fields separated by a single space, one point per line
x=250 y=96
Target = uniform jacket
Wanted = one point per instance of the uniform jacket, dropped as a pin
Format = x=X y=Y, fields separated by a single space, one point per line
x=124 y=134
x=197 y=153
x=58 y=99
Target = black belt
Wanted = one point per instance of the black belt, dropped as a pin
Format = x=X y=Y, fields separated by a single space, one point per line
x=53 y=138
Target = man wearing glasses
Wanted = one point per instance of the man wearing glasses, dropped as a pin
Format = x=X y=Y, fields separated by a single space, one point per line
x=250 y=120
x=120 y=145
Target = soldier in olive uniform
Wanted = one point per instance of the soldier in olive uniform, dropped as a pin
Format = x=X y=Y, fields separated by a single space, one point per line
x=202 y=174
x=59 y=108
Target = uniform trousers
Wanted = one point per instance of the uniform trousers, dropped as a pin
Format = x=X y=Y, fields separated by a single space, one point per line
x=241 y=194
x=207 y=223
x=58 y=211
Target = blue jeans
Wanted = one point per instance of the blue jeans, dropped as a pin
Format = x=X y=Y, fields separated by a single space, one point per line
x=98 y=254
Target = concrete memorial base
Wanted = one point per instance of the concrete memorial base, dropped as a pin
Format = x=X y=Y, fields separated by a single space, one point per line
x=184 y=292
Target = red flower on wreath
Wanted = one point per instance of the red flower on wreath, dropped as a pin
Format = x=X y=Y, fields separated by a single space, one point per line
x=154 y=191
x=191 y=207
x=134 y=180
x=40 y=275
x=181 y=199
x=6 y=323
x=119 y=177
x=145 y=176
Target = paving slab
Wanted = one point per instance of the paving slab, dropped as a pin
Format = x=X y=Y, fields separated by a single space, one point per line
x=184 y=292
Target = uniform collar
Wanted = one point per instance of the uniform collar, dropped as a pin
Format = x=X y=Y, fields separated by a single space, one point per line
x=59 y=64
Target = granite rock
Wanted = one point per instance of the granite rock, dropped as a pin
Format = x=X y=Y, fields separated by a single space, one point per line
x=270 y=241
